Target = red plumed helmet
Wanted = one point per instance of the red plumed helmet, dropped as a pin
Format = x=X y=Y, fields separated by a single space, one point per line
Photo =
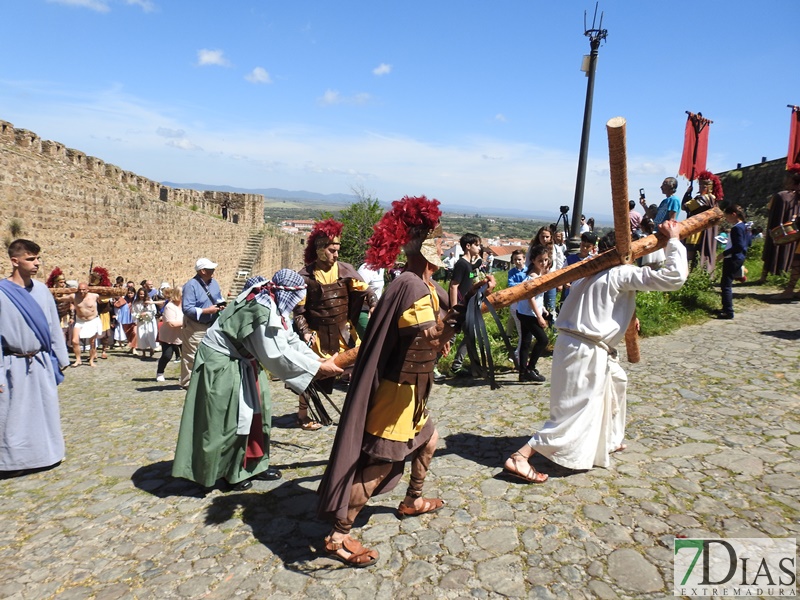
x=410 y=218
x=324 y=232
x=102 y=275
x=53 y=277
x=717 y=189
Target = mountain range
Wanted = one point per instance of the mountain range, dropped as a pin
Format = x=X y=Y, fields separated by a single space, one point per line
x=345 y=199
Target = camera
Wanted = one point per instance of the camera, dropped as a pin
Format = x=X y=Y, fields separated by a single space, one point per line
x=564 y=210
x=641 y=193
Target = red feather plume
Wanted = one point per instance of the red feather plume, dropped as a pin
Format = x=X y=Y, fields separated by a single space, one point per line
x=717 y=189
x=51 y=279
x=329 y=228
x=409 y=218
x=105 y=280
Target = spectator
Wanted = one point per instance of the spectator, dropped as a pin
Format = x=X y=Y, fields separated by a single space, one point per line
x=170 y=332
x=532 y=315
x=516 y=275
x=584 y=227
x=733 y=257
x=126 y=325
x=465 y=272
x=586 y=249
x=375 y=280
x=544 y=238
x=201 y=302
x=635 y=220
x=671 y=205
x=590 y=223
x=144 y=312
x=32 y=352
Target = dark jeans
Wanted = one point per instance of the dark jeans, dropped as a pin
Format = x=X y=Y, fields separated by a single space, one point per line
x=167 y=351
x=730 y=266
x=528 y=357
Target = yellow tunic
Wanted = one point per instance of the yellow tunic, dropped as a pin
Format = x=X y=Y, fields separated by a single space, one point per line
x=354 y=285
x=391 y=410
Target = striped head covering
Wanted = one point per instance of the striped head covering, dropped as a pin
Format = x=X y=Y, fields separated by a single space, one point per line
x=287 y=288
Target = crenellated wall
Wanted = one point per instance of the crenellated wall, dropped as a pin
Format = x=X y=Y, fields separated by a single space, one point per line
x=80 y=209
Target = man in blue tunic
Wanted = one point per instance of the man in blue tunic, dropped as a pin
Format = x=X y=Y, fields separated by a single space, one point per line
x=32 y=354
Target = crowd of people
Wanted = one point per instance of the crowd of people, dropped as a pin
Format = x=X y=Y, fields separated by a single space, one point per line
x=303 y=326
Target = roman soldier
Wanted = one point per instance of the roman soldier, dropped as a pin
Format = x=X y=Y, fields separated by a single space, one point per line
x=326 y=319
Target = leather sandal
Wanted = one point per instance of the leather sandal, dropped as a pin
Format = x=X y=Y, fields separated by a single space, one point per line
x=429 y=505
x=360 y=556
x=529 y=476
x=308 y=424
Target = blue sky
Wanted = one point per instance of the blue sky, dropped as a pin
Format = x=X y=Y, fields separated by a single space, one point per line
x=474 y=103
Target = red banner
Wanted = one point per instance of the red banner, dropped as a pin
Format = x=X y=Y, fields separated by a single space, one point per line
x=793 y=157
x=695 y=146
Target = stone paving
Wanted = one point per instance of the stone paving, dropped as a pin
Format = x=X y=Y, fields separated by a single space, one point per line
x=714 y=450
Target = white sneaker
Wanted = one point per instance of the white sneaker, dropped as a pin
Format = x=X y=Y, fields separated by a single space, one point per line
x=160 y=377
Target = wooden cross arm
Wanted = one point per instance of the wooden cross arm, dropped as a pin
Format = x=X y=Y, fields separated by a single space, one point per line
x=601 y=262
x=102 y=291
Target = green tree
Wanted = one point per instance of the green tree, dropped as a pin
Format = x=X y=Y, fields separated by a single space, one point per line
x=358 y=220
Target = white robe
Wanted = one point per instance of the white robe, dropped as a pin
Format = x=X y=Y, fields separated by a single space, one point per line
x=30 y=421
x=588 y=386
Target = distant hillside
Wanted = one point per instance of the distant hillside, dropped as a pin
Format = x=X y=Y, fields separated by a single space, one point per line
x=275 y=193
x=344 y=199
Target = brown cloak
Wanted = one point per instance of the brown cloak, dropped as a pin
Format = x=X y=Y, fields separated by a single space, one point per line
x=377 y=349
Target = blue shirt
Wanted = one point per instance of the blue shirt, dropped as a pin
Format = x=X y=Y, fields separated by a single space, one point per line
x=195 y=299
x=668 y=205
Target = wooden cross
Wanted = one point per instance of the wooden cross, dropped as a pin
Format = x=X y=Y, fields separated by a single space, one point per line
x=625 y=251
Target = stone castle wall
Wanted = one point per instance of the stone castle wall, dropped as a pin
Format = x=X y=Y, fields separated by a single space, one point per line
x=80 y=209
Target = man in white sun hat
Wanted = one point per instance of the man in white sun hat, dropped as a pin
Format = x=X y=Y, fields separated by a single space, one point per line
x=202 y=300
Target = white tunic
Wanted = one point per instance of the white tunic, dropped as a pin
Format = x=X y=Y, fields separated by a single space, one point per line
x=30 y=422
x=588 y=387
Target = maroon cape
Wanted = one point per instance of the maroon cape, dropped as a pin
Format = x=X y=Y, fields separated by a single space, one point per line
x=380 y=340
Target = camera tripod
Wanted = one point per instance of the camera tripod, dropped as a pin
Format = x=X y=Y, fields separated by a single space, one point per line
x=563 y=217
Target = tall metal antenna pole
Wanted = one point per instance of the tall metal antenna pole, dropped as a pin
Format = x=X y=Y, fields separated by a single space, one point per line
x=596 y=36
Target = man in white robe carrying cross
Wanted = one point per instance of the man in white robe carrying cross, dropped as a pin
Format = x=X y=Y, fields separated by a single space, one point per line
x=588 y=389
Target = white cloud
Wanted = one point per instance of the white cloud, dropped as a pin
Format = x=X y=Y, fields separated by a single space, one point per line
x=382 y=69
x=145 y=5
x=331 y=97
x=97 y=5
x=170 y=133
x=258 y=75
x=183 y=144
x=212 y=57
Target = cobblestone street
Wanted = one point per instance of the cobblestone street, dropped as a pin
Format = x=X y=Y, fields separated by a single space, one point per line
x=713 y=450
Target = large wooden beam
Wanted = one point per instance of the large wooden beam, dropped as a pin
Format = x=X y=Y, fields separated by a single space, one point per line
x=105 y=292
x=600 y=262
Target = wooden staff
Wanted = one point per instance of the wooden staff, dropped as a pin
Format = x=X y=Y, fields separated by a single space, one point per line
x=104 y=292
x=618 y=163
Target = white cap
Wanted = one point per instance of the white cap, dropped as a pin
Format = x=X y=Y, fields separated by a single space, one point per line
x=204 y=263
